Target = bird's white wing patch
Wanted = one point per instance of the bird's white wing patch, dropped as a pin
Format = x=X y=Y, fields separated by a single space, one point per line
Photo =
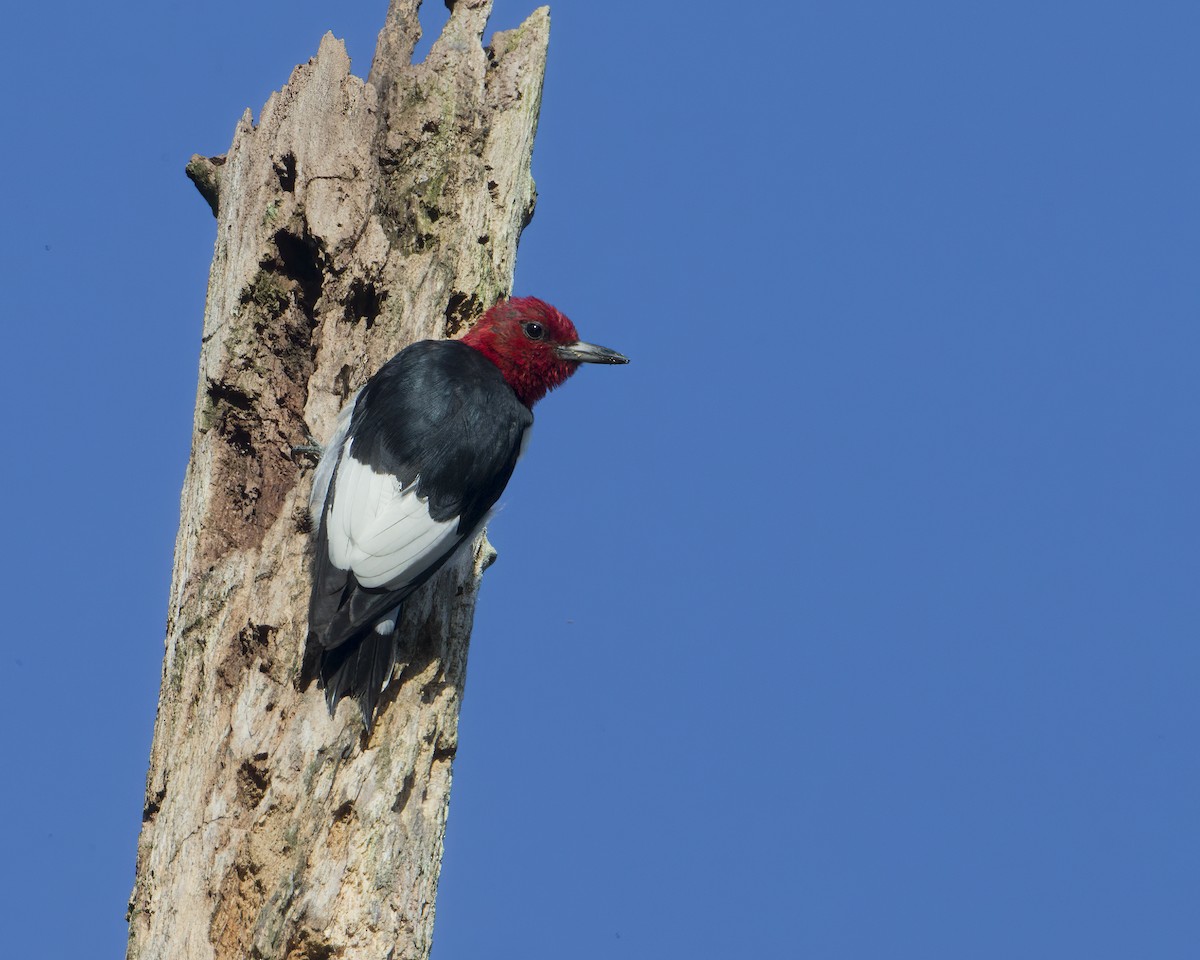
x=329 y=458
x=381 y=531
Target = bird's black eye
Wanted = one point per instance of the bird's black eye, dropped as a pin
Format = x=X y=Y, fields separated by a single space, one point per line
x=533 y=330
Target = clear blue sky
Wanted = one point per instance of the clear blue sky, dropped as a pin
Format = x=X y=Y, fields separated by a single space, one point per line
x=856 y=618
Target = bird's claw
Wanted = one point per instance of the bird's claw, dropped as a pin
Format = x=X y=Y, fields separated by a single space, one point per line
x=311 y=449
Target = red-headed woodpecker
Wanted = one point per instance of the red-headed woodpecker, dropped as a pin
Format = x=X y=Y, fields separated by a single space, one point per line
x=419 y=458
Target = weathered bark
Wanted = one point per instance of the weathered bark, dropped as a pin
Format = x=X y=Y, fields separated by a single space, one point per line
x=352 y=219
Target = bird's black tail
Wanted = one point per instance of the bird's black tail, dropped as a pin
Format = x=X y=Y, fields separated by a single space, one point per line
x=359 y=669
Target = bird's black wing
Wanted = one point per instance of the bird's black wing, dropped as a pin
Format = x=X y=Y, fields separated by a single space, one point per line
x=432 y=442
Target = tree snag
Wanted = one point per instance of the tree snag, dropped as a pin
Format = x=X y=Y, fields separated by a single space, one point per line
x=354 y=218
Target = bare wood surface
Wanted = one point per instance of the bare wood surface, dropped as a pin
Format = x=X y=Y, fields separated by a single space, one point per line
x=354 y=218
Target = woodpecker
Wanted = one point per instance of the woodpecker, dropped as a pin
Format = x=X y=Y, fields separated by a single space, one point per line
x=418 y=459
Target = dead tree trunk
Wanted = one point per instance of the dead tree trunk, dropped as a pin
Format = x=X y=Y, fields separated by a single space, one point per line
x=354 y=218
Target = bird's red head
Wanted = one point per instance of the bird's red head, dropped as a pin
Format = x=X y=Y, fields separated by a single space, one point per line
x=534 y=345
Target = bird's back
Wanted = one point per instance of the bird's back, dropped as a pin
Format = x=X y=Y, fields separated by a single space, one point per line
x=429 y=447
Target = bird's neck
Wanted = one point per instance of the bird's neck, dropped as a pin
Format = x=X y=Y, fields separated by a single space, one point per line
x=530 y=378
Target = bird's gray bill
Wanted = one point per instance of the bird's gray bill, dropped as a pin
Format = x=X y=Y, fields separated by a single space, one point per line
x=582 y=352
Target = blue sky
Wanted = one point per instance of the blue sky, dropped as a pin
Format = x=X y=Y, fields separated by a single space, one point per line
x=856 y=618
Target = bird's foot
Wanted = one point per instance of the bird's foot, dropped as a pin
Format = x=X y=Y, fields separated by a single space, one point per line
x=312 y=449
